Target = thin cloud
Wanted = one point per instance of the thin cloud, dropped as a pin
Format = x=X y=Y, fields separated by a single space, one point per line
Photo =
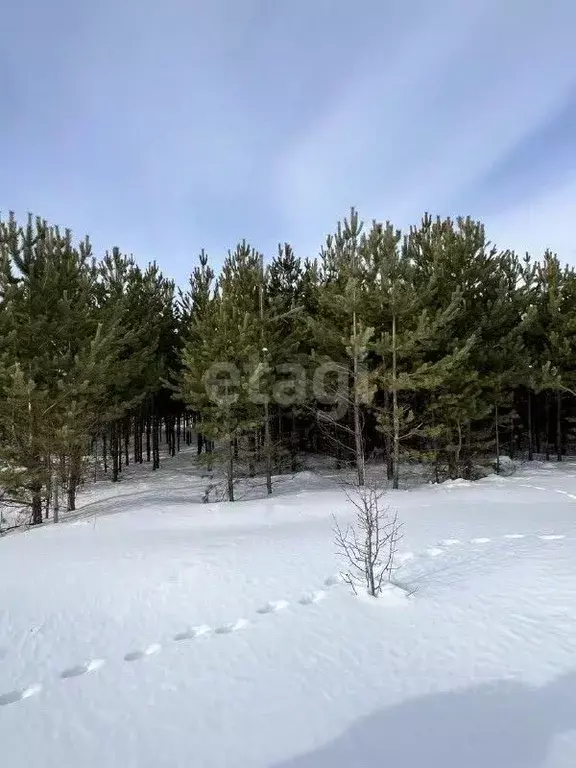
x=164 y=129
x=471 y=83
x=544 y=222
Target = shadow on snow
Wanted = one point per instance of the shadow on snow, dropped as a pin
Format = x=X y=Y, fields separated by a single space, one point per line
x=505 y=724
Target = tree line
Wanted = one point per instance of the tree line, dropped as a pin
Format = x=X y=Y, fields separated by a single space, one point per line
x=430 y=345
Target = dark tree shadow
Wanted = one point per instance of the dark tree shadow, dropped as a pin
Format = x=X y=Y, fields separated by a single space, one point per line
x=501 y=725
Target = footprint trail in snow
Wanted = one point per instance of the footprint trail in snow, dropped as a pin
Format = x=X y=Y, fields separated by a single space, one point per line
x=309 y=598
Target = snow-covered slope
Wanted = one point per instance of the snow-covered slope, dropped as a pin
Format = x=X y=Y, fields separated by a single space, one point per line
x=153 y=631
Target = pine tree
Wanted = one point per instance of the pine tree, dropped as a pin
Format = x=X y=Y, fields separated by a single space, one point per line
x=286 y=298
x=344 y=335
x=556 y=317
x=457 y=257
x=222 y=355
x=414 y=357
x=144 y=300
x=47 y=294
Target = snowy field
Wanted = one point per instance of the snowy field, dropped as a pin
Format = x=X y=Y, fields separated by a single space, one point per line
x=151 y=631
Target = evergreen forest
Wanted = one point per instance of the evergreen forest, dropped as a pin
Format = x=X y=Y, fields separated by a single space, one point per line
x=429 y=346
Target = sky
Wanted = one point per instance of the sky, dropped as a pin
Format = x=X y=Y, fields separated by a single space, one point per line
x=164 y=128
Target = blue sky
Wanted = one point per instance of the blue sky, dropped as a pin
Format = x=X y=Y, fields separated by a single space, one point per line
x=167 y=127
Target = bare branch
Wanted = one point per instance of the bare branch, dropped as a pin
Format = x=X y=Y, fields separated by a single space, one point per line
x=368 y=546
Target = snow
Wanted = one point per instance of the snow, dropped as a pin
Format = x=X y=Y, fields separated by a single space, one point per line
x=151 y=630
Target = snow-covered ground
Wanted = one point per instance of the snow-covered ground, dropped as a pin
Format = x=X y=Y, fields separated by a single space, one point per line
x=152 y=631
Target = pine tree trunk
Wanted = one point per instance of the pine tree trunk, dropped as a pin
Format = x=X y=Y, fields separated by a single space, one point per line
x=94 y=451
x=458 y=451
x=358 y=437
x=119 y=443
x=72 y=485
x=36 y=504
x=56 y=498
x=114 y=451
x=148 y=432
x=468 y=461
x=48 y=498
x=497 y=425
x=73 y=480
x=138 y=446
x=547 y=425
x=293 y=444
x=530 y=443
x=105 y=451
x=127 y=441
x=230 y=470
x=395 y=411
x=388 y=440
x=511 y=446
x=275 y=440
x=135 y=430
x=251 y=448
x=209 y=451
x=170 y=436
x=267 y=449
x=559 y=424
x=178 y=433
x=155 y=440
x=340 y=461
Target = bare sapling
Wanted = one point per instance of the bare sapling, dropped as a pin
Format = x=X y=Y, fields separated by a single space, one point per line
x=368 y=545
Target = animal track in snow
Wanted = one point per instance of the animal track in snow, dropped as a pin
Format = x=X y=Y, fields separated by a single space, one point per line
x=552 y=490
x=273 y=606
x=312 y=597
x=194 y=632
x=434 y=551
x=82 y=669
x=227 y=629
x=565 y=493
x=149 y=651
x=13 y=696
